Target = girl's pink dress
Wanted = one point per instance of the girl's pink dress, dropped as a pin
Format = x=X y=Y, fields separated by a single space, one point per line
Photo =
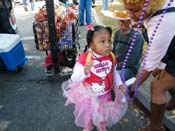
x=91 y=98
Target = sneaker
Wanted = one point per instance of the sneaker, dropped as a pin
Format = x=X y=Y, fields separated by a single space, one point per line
x=81 y=24
x=48 y=72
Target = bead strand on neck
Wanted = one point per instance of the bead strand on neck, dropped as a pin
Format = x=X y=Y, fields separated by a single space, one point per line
x=133 y=42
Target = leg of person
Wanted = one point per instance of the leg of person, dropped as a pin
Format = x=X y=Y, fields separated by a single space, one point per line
x=89 y=126
x=82 y=7
x=13 y=19
x=48 y=65
x=88 y=117
x=32 y=4
x=102 y=127
x=25 y=5
x=105 y=5
x=88 y=12
x=171 y=103
x=158 y=101
x=5 y=26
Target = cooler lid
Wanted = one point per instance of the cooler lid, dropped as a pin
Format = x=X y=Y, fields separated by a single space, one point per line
x=8 y=41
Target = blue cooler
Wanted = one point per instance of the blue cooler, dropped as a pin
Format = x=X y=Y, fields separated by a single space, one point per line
x=12 y=53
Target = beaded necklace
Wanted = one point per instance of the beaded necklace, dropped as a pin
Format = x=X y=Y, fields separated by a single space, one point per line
x=147 y=50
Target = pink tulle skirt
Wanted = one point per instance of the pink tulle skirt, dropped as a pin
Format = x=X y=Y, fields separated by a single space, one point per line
x=91 y=107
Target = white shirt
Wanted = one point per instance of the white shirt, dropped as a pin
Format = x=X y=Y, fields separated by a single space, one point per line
x=161 y=40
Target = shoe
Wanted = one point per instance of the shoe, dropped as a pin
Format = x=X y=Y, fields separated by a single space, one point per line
x=48 y=72
x=81 y=24
x=102 y=127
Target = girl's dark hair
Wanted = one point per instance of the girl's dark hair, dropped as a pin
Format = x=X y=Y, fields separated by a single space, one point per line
x=90 y=34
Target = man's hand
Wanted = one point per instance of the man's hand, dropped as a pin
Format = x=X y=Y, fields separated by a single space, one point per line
x=144 y=77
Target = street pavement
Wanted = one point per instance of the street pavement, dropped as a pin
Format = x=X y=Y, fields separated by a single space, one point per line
x=30 y=101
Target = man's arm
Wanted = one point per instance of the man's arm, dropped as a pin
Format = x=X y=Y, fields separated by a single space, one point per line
x=144 y=77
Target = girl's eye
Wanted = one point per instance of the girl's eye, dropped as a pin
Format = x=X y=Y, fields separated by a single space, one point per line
x=109 y=41
x=102 y=42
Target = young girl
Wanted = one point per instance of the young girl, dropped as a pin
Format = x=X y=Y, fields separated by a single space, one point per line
x=92 y=82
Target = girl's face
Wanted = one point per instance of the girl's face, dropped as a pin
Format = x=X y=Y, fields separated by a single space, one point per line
x=101 y=42
x=135 y=10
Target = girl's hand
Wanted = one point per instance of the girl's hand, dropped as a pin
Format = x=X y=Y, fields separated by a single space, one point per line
x=88 y=66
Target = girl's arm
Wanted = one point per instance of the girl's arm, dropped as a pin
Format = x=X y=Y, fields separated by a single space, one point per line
x=78 y=73
x=118 y=82
x=117 y=78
